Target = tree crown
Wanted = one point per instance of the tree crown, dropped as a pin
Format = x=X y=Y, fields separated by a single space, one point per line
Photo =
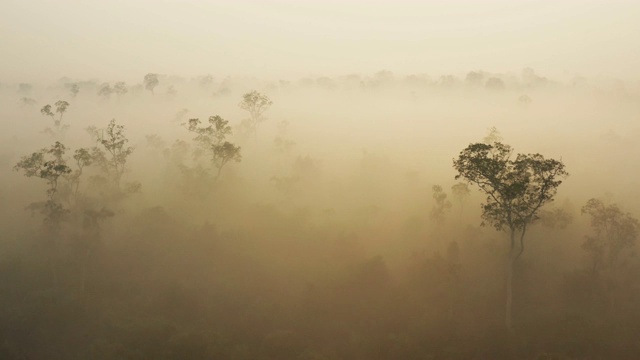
x=516 y=188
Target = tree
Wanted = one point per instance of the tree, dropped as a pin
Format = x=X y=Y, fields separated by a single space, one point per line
x=609 y=248
x=441 y=206
x=105 y=91
x=615 y=232
x=74 y=89
x=48 y=164
x=83 y=159
x=212 y=139
x=524 y=100
x=495 y=83
x=58 y=127
x=27 y=102
x=151 y=81
x=114 y=153
x=516 y=189
x=493 y=136
x=120 y=88
x=256 y=104
x=460 y=191
x=474 y=78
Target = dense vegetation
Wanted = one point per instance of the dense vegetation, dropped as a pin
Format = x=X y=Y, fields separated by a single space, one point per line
x=277 y=228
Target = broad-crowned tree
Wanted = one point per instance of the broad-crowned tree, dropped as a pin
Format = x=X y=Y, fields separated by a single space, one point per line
x=516 y=189
x=48 y=164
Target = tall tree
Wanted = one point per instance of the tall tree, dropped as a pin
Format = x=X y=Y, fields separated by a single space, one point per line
x=516 y=189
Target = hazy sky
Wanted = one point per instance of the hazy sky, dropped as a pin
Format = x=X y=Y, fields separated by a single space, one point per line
x=124 y=39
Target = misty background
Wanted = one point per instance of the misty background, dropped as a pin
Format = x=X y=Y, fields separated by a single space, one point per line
x=291 y=39
x=335 y=230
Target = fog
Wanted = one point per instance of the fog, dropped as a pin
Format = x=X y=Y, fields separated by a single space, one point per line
x=286 y=180
x=292 y=39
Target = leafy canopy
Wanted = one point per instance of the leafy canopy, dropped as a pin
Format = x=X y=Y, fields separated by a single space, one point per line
x=516 y=188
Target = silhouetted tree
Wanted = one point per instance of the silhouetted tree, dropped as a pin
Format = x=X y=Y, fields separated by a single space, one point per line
x=105 y=91
x=74 y=89
x=113 y=154
x=151 y=81
x=460 y=191
x=120 y=88
x=474 y=78
x=493 y=136
x=441 y=206
x=58 y=127
x=614 y=233
x=256 y=104
x=212 y=139
x=495 y=83
x=516 y=189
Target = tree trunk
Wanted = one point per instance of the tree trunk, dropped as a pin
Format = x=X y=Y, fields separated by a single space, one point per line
x=509 y=284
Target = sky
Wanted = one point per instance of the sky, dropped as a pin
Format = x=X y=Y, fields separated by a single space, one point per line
x=44 y=40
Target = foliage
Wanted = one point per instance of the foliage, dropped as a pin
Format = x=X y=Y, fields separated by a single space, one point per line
x=493 y=136
x=516 y=189
x=105 y=91
x=151 y=81
x=441 y=206
x=27 y=102
x=47 y=164
x=211 y=140
x=120 y=88
x=58 y=128
x=460 y=192
x=256 y=104
x=74 y=89
x=113 y=154
x=615 y=232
